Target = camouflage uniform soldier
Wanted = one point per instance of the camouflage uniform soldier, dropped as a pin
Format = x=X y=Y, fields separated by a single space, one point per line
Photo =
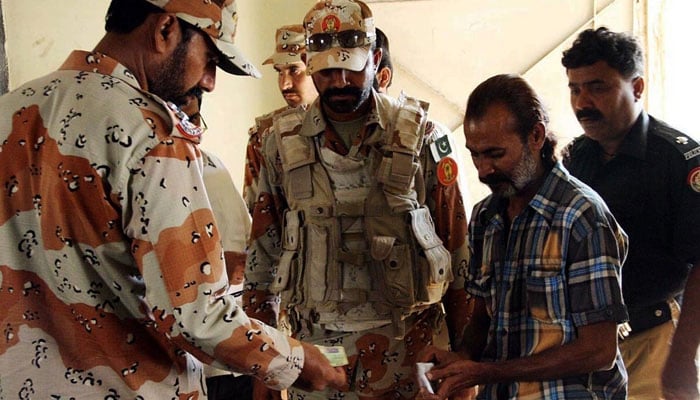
x=112 y=277
x=233 y=221
x=295 y=86
x=359 y=228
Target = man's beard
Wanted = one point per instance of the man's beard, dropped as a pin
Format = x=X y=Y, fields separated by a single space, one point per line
x=345 y=106
x=167 y=84
x=524 y=173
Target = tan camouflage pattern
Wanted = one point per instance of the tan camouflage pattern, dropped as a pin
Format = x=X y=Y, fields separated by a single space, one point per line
x=254 y=159
x=334 y=16
x=265 y=308
x=381 y=367
x=445 y=203
x=230 y=212
x=233 y=221
x=219 y=20
x=112 y=279
x=290 y=44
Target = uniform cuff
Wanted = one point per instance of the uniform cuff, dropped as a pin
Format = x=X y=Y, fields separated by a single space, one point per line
x=286 y=367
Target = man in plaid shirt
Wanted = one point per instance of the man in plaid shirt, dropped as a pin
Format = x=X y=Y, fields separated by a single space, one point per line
x=544 y=277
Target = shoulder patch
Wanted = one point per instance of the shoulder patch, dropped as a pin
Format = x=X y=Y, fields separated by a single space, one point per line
x=685 y=144
x=447 y=171
x=442 y=147
x=694 y=179
x=692 y=153
x=440 y=141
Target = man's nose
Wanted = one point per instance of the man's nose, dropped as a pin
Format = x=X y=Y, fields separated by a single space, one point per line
x=484 y=167
x=339 y=77
x=285 y=81
x=208 y=81
x=582 y=101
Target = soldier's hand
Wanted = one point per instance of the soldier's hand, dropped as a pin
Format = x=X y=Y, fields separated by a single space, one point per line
x=318 y=373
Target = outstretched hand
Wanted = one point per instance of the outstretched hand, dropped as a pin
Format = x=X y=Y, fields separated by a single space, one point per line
x=318 y=373
x=451 y=375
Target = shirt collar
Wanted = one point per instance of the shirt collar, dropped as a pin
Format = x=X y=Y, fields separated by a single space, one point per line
x=635 y=142
x=496 y=206
x=97 y=62
x=556 y=174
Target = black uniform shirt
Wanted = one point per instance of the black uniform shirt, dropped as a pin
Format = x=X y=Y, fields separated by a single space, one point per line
x=652 y=187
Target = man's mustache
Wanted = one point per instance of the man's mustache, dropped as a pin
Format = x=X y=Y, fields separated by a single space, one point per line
x=289 y=91
x=194 y=93
x=589 y=113
x=353 y=91
x=495 y=179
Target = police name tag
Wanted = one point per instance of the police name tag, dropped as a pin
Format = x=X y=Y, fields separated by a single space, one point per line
x=335 y=355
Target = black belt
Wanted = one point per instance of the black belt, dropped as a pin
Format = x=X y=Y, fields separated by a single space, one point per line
x=647 y=317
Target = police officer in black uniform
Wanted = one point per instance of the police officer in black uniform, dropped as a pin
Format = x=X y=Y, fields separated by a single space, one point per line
x=649 y=175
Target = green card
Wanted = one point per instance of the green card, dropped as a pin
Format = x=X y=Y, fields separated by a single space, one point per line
x=335 y=355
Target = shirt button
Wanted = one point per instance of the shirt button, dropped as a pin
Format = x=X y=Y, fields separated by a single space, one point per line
x=658 y=313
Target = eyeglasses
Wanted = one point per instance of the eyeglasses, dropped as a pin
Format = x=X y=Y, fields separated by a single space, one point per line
x=348 y=39
x=198 y=120
x=194 y=124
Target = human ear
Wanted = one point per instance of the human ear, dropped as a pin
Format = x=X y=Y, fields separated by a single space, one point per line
x=377 y=57
x=383 y=78
x=638 y=87
x=537 y=136
x=167 y=32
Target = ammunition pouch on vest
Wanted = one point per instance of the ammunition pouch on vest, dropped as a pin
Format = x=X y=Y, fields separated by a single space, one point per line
x=408 y=266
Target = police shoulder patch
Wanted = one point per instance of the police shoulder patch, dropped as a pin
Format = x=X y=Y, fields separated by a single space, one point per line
x=694 y=179
x=685 y=144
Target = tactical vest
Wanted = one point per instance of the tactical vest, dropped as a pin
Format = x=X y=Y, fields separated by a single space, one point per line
x=357 y=230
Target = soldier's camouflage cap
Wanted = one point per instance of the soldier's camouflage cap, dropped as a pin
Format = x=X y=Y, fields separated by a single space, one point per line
x=290 y=43
x=333 y=16
x=218 y=19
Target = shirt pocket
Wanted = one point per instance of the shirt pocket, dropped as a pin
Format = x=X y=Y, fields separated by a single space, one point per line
x=546 y=295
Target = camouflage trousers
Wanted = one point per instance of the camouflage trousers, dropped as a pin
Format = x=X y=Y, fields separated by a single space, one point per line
x=380 y=366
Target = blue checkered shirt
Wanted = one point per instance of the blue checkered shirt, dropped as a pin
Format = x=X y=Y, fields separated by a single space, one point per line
x=556 y=268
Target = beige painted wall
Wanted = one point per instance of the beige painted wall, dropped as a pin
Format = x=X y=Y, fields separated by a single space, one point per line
x=442 y=50
x=458 y=44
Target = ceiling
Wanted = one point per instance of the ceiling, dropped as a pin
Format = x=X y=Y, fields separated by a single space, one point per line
x=442 y=49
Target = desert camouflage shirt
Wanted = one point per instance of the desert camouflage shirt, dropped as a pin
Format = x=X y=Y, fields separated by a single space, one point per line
x=254 y=157
x=112 y=272
x=445 y=201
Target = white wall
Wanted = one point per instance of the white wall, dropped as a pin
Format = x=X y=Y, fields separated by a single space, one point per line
x=679 y=102
x=442 y=49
